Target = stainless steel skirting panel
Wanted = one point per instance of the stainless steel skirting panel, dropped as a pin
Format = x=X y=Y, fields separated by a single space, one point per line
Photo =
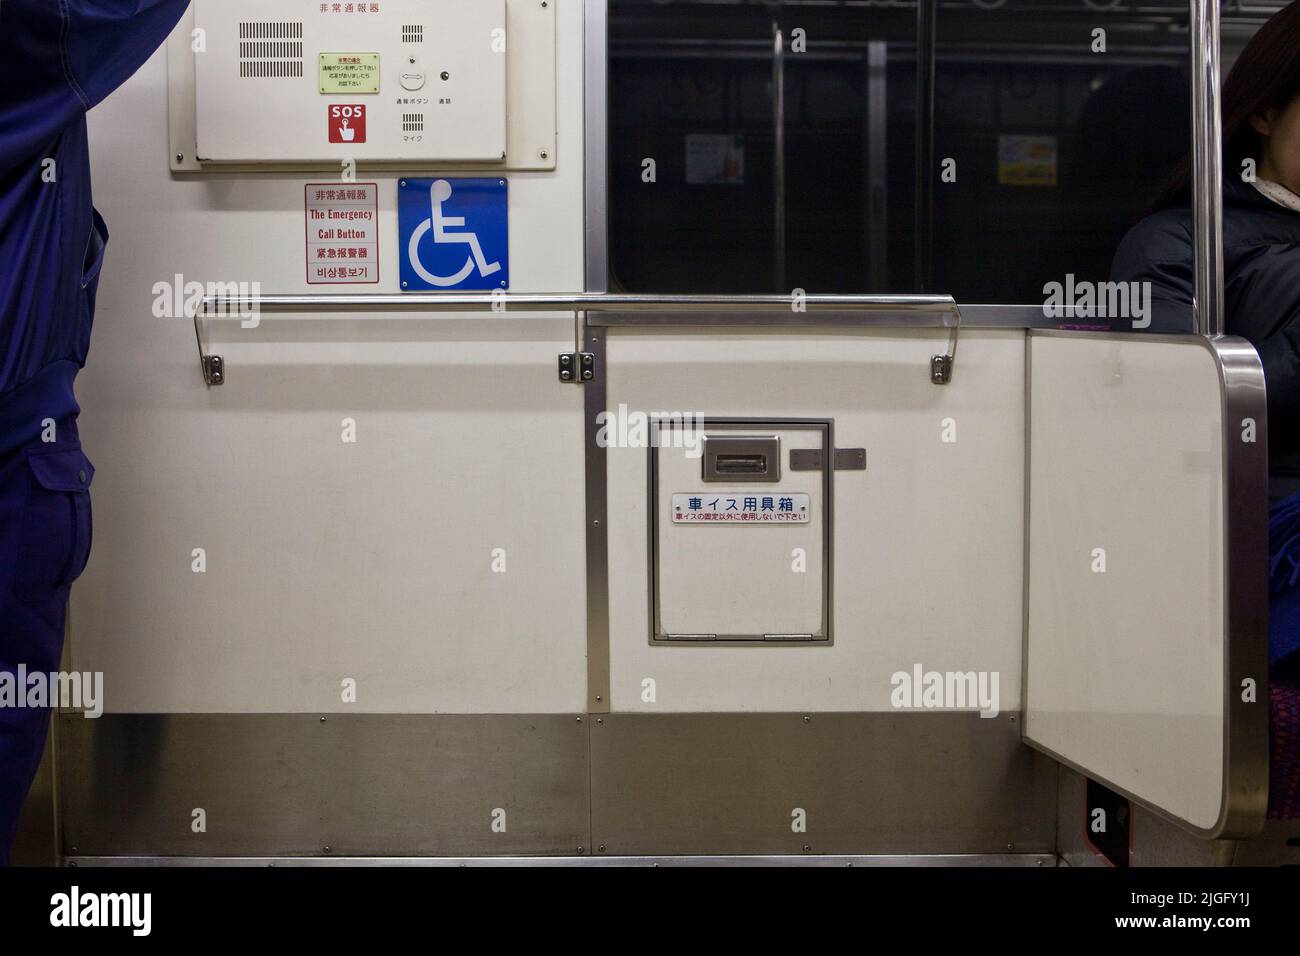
x=1157 y=842
x=1153 y=840
x=904 y=785
x=1071 y=843
x=879 y=783
x=366 y=784
x=938 y=859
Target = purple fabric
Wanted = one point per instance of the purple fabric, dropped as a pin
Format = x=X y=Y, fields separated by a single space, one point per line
x=1284 y=582
x=1284 y=744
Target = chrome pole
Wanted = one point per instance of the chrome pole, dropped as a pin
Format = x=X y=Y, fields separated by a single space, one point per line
x=1207 y=167
x=778 y=157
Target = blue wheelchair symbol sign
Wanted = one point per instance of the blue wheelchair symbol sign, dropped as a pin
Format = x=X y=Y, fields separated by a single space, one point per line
x=453 y=234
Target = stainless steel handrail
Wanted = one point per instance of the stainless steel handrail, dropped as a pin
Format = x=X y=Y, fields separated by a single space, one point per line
x=898 y=310
x=504 y=303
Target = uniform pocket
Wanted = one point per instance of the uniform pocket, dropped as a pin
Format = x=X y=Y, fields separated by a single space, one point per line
x=96 y=243
x=54 y=544
x=92 y=262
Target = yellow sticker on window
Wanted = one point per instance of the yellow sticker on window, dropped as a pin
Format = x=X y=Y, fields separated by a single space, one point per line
x=349 y=72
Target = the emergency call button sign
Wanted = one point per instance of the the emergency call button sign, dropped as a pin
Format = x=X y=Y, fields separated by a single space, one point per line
x=347 y=122
x=342 y=233
x=349 y=73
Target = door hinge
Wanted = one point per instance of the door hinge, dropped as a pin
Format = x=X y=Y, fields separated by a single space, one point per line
x=577 y=367
x=846 y=459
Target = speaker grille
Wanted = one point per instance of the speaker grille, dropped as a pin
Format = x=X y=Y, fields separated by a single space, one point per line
x=270 y=49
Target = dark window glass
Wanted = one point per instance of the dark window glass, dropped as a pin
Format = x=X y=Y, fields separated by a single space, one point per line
x=1059 y=150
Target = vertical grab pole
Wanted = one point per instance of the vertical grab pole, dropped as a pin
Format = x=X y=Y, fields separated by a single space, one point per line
x=1207 y=167
x=778 y=158
x=1245 y=505
x=923 y=223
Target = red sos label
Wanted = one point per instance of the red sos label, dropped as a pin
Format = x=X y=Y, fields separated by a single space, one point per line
x=347 y=123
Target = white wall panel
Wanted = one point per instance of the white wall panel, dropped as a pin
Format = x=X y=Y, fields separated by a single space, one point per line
x=1126 y=665
x=327 y=560
x=928 y=540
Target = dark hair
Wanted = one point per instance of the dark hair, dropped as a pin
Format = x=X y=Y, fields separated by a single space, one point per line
x=1266 y=76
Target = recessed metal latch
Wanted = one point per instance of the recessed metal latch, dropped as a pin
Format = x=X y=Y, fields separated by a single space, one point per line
x=730 y=458
x=578 y=367
x=810 y=459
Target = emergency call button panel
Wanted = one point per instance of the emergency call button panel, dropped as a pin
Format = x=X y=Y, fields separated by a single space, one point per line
x=387 y=80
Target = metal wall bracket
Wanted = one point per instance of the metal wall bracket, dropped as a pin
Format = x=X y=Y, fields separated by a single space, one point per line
x=577 y=367
x=212 y=366
x=941 y=365
x=214 y=370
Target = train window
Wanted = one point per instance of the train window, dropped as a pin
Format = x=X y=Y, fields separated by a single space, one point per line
x=1064 y=123
x=837 y=165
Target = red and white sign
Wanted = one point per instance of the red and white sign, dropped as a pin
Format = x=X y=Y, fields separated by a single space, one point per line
x=347 y=123
x=342 y=233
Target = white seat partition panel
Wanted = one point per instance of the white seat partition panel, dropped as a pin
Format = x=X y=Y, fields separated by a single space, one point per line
x=1145 y=641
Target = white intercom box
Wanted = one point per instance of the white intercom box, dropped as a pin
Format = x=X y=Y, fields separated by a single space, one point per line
x=384 y=80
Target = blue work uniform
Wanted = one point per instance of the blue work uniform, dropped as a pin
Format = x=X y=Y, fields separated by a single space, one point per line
x=62 y=57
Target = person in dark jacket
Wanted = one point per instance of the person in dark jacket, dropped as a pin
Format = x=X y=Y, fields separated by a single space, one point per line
x=1261 y=272
x=62 y=57
x=1261 y=233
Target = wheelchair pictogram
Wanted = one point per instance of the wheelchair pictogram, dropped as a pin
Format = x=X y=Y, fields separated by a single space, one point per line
x=453 y=233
